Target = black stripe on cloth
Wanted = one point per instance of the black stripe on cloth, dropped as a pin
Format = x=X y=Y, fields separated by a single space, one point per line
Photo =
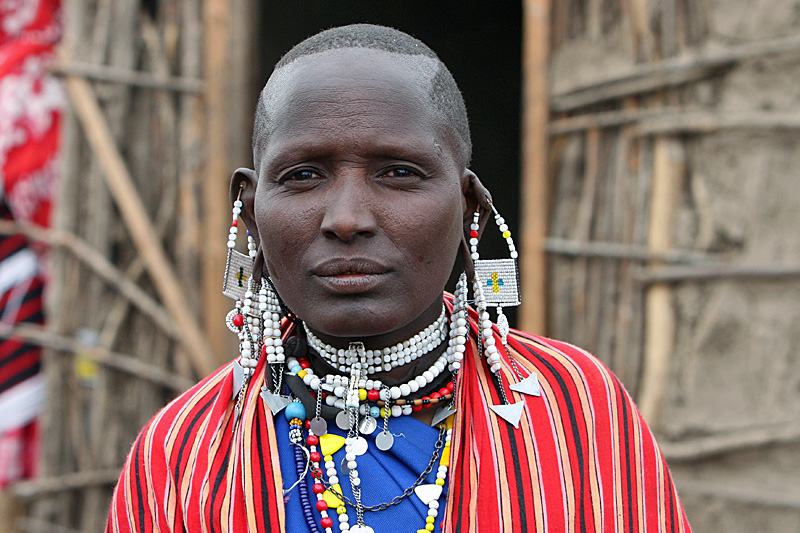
x=178 y=462
x=262 y=471
x=12 y=245
x=628 y=473
x=23 y=349
x=458 y=507
x=20 y=377
x=35 y=318
x=523 y=513
x=221 y=474
x=139 y=497
x=34 y=290
x=574 y=426
x=671 y=502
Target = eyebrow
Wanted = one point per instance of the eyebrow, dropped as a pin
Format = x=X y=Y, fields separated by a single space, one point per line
x=306 y=148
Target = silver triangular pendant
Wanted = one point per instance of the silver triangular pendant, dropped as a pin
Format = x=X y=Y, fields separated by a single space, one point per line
x=510 y=413
x=275 y=402
x=238 y=379
x=441 y=415
x=529 y=385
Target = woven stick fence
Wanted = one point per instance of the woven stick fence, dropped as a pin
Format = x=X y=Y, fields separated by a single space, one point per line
x=124 y=332
x=635 y=235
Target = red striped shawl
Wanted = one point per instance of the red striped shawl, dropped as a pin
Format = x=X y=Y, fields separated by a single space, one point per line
x=582 y=459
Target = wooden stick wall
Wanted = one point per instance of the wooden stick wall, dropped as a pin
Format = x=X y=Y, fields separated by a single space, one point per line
x=124 y=334
x=604 y=166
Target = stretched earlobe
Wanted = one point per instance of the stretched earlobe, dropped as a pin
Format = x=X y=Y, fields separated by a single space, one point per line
x=243 y=186
x=477 y=198
x=258 y=265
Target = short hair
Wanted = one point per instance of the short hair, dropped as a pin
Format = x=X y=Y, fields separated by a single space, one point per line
x=443 y=91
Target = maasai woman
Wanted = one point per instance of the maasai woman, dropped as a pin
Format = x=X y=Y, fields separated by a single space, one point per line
x=364 y=398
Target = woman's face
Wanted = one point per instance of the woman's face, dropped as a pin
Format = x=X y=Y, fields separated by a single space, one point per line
x=360 y=201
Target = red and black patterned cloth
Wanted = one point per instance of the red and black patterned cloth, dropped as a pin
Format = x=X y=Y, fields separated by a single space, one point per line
x=582 y=459
x=31 y=107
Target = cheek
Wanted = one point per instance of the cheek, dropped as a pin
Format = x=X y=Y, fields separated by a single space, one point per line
x=435 y=235
x=284 y=233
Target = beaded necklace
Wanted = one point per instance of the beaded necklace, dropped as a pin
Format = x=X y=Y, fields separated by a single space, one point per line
x=384 y=359
x=328 y=493
x=362 y=401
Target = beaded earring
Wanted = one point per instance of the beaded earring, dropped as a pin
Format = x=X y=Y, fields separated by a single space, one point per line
x=496 y=284
x=238 y=267
x=255 y=317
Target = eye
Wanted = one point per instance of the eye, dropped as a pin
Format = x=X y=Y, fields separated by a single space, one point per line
x=402 y=172
x=300 y=176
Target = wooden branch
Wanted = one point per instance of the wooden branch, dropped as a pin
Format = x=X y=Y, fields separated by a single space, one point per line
x=615 y=250
x=668 y=170
x=136 y=220
x=128 y=77
x=697 y=122
x=216 y=206
x=535 y=116
x=744 y=439
x=607 y=119
x=100 y=266
x=667 y=73
x=717 y=271
x=131 y=365
x=673 y=120
x=65 y=482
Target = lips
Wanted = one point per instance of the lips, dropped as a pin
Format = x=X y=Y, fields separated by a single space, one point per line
x=350 y=276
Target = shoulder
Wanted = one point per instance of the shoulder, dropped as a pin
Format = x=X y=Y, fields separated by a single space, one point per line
x=179 y=423
x=166 y=453
x=565 y=363
x=204 y=404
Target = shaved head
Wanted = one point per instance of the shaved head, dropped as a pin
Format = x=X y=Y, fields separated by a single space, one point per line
x=409 y=53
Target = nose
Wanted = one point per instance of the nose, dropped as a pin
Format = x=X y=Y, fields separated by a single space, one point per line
x=348 y=211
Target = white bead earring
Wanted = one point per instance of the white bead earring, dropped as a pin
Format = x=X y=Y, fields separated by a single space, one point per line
x=496 y=284
x=238 y=267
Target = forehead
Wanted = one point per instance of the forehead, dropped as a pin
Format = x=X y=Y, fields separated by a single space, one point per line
x=355 y=69
x=358 y=92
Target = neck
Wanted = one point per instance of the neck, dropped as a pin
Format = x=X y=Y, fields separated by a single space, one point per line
x=372 y=342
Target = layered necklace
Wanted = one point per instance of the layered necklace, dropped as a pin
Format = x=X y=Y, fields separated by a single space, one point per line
x=364 y=404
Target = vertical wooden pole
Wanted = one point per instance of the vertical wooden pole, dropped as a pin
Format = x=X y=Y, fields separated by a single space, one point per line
x=535 y=117
x=215 y=184
x=668 y=170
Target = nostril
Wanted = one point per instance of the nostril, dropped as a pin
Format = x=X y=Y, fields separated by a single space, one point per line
x=348 y=217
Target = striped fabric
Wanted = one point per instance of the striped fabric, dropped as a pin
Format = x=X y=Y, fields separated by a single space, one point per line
x=581 y=460
x=22 y=387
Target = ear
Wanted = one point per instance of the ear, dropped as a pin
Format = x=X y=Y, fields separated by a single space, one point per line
x=476 y=198
x=243 y=186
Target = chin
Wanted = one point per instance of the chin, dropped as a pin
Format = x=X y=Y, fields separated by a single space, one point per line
x=352 y=325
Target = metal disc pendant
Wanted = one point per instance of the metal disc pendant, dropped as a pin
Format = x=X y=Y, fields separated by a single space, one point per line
x=367 y=425
x=345 y=470
x=360 y=445
x=343 y=420
x=318 y=426
x=384 y=442
x=361 y=529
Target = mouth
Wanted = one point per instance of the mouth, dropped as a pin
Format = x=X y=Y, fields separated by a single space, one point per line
x=350 y=276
